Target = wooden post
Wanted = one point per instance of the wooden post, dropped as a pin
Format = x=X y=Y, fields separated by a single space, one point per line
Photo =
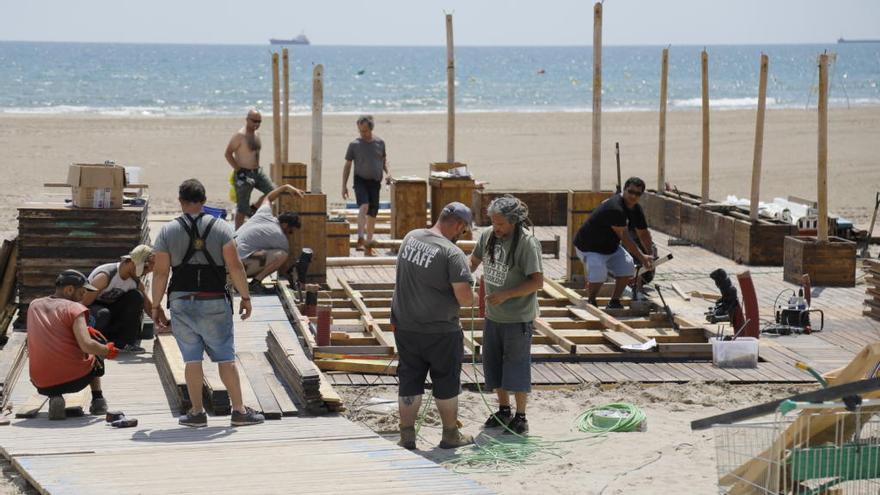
x=822 y=191
x=450 y=92
x=704 y=59
x=597 y=98
x=285 y=122
x=276 y=120
x=317 y=126
x=759 y=140
x=661 y=148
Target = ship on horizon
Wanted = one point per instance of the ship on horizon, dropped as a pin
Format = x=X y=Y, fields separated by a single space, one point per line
x=843 y=40
x=302 y=39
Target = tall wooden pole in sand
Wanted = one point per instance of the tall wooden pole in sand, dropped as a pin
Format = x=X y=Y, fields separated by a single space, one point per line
x=759 y=140
x=661 y=147
x=317 y=126
x=822 y=191
x=276 y=121
x=450 y=92
x=285 y=122
x=704 y=62
x=597 y=98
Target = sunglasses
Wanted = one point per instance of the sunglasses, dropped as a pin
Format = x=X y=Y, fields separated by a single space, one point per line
x=255 y=121
x=634 y=193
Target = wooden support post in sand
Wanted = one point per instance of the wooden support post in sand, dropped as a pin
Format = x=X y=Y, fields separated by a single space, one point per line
x=597 y=98
x=822 y=185
x=759 y=141
x=285 y=122
x=317 y=126
x=661 y=148
x=704 y=63
x=450 y=92
x=276 y=121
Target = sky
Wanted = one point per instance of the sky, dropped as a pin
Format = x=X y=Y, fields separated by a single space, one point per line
x=420 y=22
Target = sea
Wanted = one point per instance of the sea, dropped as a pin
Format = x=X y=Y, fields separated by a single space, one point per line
x=156 y=80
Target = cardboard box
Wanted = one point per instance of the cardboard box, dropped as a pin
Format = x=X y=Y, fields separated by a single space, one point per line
x=96 y=185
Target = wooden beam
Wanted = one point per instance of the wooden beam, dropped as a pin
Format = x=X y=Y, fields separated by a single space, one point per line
x=822 y=175
x=366 y=317
x=704 y=71
x=317 y=126
x=596 y=182
x=661 y=147
x=285 y=117
x=276 y=120
x=607 y=320
x=362 y=261
x=544 y=329
x=759 y=141
x=450 y=92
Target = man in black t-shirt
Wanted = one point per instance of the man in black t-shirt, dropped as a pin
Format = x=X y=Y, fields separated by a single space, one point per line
x=598 y=241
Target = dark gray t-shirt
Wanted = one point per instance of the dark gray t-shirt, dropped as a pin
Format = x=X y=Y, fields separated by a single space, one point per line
x=506 y=272
x=174 y=240
x=427 y=266
x=261 y=232
x=368 y=157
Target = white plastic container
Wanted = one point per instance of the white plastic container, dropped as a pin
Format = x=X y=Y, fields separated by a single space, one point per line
x=132 y=175
x=739 y=353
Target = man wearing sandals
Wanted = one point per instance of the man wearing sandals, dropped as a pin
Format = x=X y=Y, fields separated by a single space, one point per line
x=370 y=161
x=198 y=249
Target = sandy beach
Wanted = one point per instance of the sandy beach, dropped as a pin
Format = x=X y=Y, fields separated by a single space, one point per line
x=510 y=151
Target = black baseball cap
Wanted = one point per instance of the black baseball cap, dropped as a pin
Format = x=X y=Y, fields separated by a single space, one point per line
x=74 y=278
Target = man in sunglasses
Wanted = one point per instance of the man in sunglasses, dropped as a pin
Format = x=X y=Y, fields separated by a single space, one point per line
x=243 y=155
x=598 y=241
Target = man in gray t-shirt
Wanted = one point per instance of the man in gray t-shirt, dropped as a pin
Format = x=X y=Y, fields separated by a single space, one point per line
x=200 y=249
x=262 y=241
x=433 y=283
x=370 y=160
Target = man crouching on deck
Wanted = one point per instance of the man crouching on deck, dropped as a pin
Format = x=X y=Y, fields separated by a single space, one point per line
x=433 y=283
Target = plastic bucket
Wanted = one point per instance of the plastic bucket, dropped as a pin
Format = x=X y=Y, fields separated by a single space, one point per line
x=215 y=212
x=739 y=353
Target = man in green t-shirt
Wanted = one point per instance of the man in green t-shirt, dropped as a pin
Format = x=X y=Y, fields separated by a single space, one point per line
x=512 y=273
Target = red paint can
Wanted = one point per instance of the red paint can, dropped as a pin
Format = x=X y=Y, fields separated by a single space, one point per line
x=324 y=321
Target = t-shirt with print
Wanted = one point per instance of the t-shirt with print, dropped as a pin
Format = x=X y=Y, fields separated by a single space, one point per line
x=53 y=352
x=116 y=287
x=427 y=265
x=368 y=157
x=174 y=240
x=261 y=232
x=596 y=234
x=505 y=273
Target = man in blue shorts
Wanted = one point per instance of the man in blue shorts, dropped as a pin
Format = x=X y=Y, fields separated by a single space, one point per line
x=598 y=241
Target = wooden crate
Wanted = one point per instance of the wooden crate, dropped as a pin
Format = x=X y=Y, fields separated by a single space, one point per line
x=652 y=204
x=691 y=219
x=409 y=202
x=546 y=208
x=295 y=174
x=338 y=237
x=709 y=224
x=312 y=211
x=445 y=191
x=723 y=244
x=829 y=264
x=580 y=205
x=760 y=243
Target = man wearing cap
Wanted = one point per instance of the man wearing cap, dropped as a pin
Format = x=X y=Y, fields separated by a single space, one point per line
x=121 y=298
x=433 y=284
x=262 y=241
x=198 y=250
x=64 y=355
x=512 y=273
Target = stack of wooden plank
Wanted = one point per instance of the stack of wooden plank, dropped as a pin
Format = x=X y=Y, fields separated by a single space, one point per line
x=8 y=269
x=54 y=237
x=872 y=293
x=300 y=373
x=12 y=359
x=170 y=364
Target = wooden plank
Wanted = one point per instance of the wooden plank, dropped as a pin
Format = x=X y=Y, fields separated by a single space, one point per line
x=171 y=367
x=216 y=396
x=31 y=407
x=367 y=318
x=543 y=328
x=77 y=403
x=254 y=372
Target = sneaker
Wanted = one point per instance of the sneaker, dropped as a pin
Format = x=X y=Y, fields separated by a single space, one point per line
x=614 y=304
x=132 y=349
x=499 y=419
x=408 y=438
x=57 y=407
x=247 y=418
x=98 y=407
x=256 y=287
x=360 y=244
x=593 y=302
x=453 y=438
x=199 y=420
x=519 y=425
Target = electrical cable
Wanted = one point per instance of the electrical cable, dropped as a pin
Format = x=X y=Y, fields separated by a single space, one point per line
x=614 y=417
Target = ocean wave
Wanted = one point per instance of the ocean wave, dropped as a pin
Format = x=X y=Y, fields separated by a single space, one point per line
x=745 y=102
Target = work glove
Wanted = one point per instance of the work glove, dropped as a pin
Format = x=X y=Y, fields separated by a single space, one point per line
x=97 y=335
x=112 y=351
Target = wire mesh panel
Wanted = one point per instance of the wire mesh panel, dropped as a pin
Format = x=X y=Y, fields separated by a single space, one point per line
x=813 y=450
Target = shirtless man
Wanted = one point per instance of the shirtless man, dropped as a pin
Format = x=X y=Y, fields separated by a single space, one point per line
x=243 y=155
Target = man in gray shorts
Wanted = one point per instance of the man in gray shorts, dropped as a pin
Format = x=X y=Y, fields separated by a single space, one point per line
x=433 y=283
x=243 y=155
x=512 y=272
x=198 y=249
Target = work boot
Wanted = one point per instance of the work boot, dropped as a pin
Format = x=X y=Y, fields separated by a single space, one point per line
x=500 y=418
x=194 y=420
x=614 y=304
x=452 y=438
x=369 y=249
x=407 y=437
x=360 y=244
x=132 y=349
x=519 y=425
x=98 y=407
x=247 y=418
x=57 y=407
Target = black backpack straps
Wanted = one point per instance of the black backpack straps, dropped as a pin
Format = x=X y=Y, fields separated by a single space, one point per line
x=192 y=229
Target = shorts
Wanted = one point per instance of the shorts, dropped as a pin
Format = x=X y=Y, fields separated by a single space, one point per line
x=243 y=188
x=619 y=263
x=437 y=353
x=507 y=356
x=255 y=263
x=74 y=386
x=366 y=192
x=203 y=325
